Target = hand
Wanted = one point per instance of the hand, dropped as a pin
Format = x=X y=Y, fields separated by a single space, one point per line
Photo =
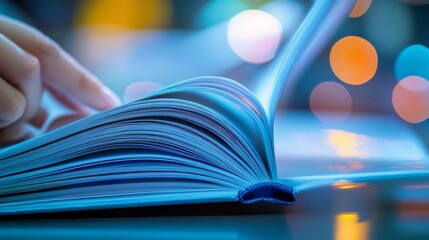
x=31 y=62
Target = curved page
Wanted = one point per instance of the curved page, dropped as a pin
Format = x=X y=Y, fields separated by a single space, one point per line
x=198 y=141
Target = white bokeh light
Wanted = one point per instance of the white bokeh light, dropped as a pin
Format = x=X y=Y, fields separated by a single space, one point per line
x=254 y=35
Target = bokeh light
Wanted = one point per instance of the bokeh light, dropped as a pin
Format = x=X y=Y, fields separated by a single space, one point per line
x=330 y=102
x=389 y=26
x=254 y=35
x=353 y=60
x=345 y=184
x=410 y=99
x=140 y=89
x=360 y=8
x=124 y=14
x=217 y=11
x=344 y=143
x=413 y=60
x=350 y=226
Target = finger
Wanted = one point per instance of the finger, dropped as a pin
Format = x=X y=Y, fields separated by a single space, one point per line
x=39 y=118
x=15 y=133
x=22 y=70
x=58 y=67
x=12 y=104
x=64 y=120
x=68 y=102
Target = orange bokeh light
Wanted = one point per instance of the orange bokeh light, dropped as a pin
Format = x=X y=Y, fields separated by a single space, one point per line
x=410 y=99
x=344 y=184
x=348 y=226
x=353 y=60
x=360 y=8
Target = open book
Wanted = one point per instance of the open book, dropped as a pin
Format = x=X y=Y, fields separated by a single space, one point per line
x=207 y=139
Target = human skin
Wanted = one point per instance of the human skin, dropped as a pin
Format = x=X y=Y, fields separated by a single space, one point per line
x=31 y=63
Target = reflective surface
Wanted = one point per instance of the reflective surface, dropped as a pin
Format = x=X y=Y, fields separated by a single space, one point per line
x=362 y=145
x=377 y=209
x=387 y=210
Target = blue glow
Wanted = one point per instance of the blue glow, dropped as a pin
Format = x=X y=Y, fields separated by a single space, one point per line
x=390 y=20
x=413 y=61
x=217 y=11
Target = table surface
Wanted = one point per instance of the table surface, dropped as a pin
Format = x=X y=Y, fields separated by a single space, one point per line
x=379 y=210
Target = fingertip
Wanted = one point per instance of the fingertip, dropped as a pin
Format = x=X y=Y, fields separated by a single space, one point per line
x=39 y=117
x=12 y=104
x=64 y=120
x=15 y=133
x=100 y=96
x=110 y=98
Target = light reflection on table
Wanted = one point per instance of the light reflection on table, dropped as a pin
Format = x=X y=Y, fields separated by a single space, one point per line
x=379 y=210
x=364 y=144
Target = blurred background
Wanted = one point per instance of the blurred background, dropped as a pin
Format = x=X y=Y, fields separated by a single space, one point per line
x=377 y=62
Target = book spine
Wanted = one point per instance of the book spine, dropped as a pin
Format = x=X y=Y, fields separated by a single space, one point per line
x=271 y=192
